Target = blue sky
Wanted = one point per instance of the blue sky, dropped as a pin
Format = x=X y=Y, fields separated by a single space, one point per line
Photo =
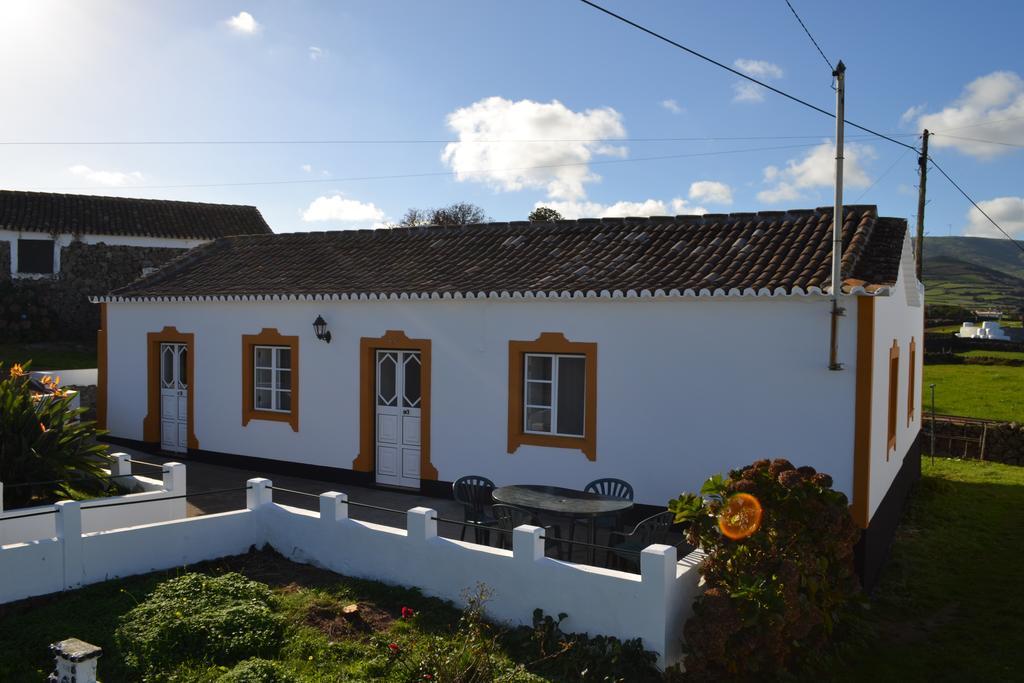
x=488 y=74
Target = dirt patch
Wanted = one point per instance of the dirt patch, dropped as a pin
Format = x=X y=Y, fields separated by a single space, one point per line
x=332 y=620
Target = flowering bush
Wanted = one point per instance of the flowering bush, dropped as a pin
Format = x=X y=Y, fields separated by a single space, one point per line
x=779 y=570
x=42 y=440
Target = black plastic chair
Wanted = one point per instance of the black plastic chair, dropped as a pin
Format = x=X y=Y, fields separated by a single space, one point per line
x=475 y=495
x=612 y=488
x=627 y=546
x=510 y=516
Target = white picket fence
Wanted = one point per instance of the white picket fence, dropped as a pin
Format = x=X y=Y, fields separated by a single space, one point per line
x=652 y=605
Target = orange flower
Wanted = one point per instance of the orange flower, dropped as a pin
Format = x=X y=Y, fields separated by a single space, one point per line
x=17 y=371
x=740 y=517
x=42 y=427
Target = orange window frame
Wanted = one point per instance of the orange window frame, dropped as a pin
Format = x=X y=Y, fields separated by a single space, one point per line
x=551 y=343
x=912 y=386
x=894 y=387
x=268 y=337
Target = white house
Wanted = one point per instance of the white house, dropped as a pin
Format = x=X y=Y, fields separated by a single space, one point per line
x=659 y=350
x=57 y=248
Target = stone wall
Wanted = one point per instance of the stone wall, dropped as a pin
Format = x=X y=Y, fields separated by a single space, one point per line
x=59 y=309
x=5 y=261
x=976 y=439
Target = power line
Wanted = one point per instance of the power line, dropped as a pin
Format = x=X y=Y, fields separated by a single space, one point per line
x=987 y=142
x=740 y=73
x=432 y=174
x=400 y=141
x=804 y=27
x=879 y=178
x=980 y=210
x=983 y=123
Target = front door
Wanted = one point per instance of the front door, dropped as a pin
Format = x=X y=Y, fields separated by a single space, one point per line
x=399 y=378
x=174 y=397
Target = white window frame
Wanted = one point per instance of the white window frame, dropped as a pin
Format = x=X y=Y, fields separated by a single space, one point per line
x=555 y=359
x=274 y=389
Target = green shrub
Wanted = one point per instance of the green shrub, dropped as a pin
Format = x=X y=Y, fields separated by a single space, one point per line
x=200 y=618
x=774 y=598
x=40 y=441
x=256 y=670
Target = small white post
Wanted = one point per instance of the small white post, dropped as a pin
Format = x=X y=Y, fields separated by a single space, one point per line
x=1 y=496
x=121 y=465
x=528 y=543
x=258 y=493
x=421 y=524
x=69 y=532
x=76 y=661
x=333 y=507
x=174 y=477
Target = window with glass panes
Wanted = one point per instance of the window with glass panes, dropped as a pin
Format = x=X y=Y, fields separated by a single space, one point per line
x=272 y=378
x=554 y=396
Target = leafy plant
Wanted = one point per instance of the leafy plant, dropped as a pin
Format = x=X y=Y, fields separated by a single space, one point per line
x=42 y=440
x=200 y=618
x=777 y=590
x=256 y=670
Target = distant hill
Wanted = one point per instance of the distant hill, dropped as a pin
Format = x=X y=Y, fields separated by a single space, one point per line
x=973 y=271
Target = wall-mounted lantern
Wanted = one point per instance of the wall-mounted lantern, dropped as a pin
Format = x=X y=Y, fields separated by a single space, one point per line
x=320 y=327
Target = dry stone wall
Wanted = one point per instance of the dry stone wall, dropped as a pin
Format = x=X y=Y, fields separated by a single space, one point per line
x=58 y=308
x=977 y=439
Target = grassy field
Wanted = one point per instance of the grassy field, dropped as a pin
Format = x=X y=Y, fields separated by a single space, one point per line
x=49 y=355
x=994 y=392
x=984 y=353
x=949 y=603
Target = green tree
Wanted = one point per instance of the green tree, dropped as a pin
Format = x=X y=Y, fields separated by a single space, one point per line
x=544 y=214
x=458 y=213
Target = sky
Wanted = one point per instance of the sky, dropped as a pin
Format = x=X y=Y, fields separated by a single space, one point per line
x=512 y=105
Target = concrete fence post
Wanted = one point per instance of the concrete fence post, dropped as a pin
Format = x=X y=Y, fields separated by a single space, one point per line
x=657 y=573
x=421 y=524
x=333 y=507
x=174 y=478
x=258 y=493
x=527 y=543
x=121 y=466
x=68 y=524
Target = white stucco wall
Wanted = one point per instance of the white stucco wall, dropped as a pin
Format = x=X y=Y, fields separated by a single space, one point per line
x=899 y=317
x=63 y=240
x=686 y=387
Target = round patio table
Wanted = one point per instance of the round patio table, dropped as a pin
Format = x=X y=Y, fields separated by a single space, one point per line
x=563 y=503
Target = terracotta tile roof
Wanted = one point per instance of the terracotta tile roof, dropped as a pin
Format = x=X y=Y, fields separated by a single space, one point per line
x=124 y=216
x=784 y=252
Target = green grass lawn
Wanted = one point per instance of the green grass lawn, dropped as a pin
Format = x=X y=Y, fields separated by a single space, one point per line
x=49 y=355
x=984 y=353
x=994 y=392
x=949 y=603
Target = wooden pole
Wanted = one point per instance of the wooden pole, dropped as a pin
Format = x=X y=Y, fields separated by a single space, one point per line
x=922 y=162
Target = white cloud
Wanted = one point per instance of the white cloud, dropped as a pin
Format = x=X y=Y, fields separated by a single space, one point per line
x=816 y=169
x=672 y=106
x=648 y=207
x=316 y=53
x=711 y=191
x=990 y=108
x=1008 y=212
x=758 y=68
x=108 y=178
x=338 y=208
x=245 y=23
x=745 y=91
x=512 y=166
x=308 y=168
x=912 y=113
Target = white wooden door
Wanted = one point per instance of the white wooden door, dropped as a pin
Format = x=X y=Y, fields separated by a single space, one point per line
x=174 y=390
x=399 y=383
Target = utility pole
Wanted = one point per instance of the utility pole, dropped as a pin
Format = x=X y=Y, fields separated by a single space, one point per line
x=837 y=219
x=922 y=162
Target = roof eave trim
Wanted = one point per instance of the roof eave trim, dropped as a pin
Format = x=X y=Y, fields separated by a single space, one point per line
x=703 y=293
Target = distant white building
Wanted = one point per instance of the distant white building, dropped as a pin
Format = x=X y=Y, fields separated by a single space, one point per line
x=989 y=329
